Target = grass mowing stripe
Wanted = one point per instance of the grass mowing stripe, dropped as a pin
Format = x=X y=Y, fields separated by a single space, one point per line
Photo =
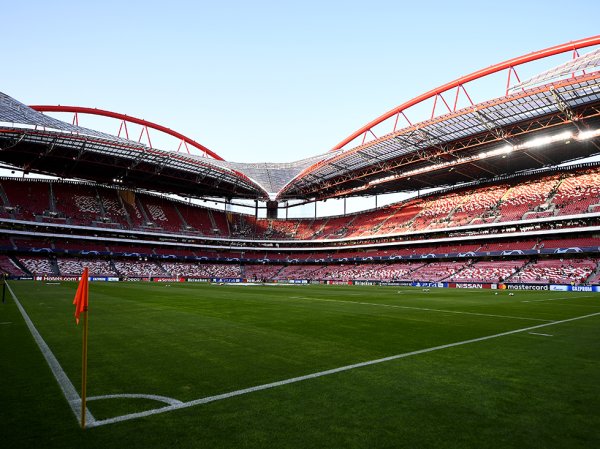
x=324 y=373
x=65 y=384
x=422 y=308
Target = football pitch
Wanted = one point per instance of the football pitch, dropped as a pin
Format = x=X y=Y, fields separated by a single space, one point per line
x=231 y=366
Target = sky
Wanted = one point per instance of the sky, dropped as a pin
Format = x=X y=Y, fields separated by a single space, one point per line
x=259 y=80
x=266 y=81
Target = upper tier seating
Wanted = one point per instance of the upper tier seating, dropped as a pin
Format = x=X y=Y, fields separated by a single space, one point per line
x=577 y=193
x=563 y=193
x=162 y=212
x=30 y=199
x=80 y=204
x=114 y=211
x=479 y=207
x=435 y=211
x=526 y=197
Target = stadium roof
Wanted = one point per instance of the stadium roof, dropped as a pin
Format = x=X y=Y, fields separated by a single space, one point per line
x=529 y=127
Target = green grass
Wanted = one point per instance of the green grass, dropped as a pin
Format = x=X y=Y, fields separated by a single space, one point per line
x=192 y=341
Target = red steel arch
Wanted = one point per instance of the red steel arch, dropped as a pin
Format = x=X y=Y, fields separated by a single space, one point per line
x=460 y=82
x=126 y=118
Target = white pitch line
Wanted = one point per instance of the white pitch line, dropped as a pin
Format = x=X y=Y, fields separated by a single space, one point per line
x=322 y=373
x=153 y=397
x=65 y=384
x=558 y=299
x=543 y=335
x=423 y=308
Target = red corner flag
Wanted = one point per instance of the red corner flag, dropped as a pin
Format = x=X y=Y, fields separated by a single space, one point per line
x=81 y=297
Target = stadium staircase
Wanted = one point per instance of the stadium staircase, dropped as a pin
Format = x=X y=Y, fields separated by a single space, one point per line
x=185 y=226
x=490 y=215
x=125 y=212
x=594 y=275
x=278 y=272
x=382 y=223
x=165 y=272
x=213 y=223
x=469 y=264
x=517 y=272
x=450 y=216
x=103 y=216
x=319 y=231
x=19 y=265
x=552 y=194
x=6 y=203
x=52 y=214
x=54 y=266
x=147 y=222
x=113 y=267
x=52 y=210
x=346 y=227
x=546 y=209
x=498 y=207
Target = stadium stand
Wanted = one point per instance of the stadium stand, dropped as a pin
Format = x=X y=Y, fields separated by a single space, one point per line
x=488 y=271
x=566 y=193
x=559 y=271
x=138 y=269
x=38 y=265
x=162 y=213
x=177 y=269
x=114 y=210
x=578 y=193
x=262 y=272
x=438 y=271
x=30 y=199
x=203 y=270
x=74 y=267
x=80 y=205
x=547 y=196
x=495 y=209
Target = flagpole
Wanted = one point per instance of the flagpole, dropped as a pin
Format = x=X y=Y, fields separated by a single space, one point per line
x=81 y=306
x=84 y=368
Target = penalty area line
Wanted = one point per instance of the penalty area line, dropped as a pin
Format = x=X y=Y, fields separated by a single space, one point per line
x=292 y=380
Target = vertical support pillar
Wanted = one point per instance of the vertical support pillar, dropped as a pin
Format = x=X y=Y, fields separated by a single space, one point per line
x=272 y=210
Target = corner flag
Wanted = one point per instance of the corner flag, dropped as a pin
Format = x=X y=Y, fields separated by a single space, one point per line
x=81 y=297
x=81 y=306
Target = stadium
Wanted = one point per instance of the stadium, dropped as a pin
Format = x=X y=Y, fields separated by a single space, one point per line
x=502 y=197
